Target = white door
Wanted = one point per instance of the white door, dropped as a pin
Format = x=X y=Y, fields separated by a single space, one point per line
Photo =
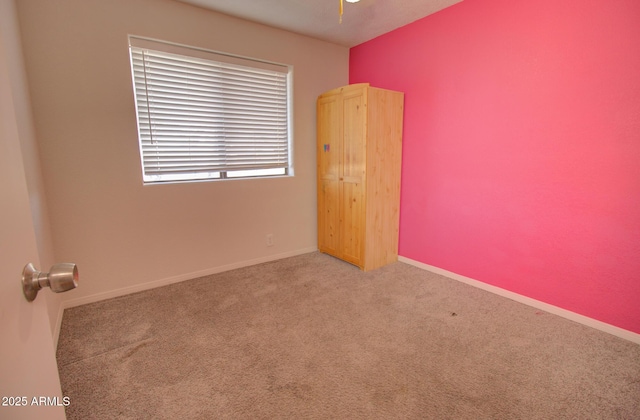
x=27 y=360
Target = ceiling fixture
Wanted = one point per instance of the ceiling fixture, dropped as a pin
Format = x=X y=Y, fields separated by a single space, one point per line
x=341 y=8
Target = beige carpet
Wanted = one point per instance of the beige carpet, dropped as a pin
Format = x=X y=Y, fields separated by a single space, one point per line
x=312 y=337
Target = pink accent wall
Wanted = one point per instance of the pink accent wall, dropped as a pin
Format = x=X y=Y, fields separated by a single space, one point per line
x=521 y=160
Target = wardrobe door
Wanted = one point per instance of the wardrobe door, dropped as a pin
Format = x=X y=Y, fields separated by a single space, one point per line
x=352 y=176
x=329 y=143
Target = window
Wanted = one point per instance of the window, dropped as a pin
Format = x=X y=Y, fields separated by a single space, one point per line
x=207 y=115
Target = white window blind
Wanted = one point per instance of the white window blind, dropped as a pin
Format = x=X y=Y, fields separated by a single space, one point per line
x=206 y=115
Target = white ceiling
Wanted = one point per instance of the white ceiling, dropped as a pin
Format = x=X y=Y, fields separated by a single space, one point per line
x=320 y=18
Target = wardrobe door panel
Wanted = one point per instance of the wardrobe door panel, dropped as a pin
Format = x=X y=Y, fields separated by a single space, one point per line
x=352 y=228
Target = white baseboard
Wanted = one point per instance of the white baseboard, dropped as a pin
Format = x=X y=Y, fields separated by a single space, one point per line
x=166 y=281
x=581 y=319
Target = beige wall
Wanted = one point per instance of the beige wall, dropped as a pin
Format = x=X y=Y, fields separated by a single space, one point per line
x=122 y=234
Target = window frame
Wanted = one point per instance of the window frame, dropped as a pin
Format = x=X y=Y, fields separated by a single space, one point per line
x=227 y=172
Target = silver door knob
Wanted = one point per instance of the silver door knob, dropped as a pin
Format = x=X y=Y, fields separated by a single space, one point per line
x=60 y=278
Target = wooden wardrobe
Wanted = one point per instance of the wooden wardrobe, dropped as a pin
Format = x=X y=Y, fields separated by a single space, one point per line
x=359 y=154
